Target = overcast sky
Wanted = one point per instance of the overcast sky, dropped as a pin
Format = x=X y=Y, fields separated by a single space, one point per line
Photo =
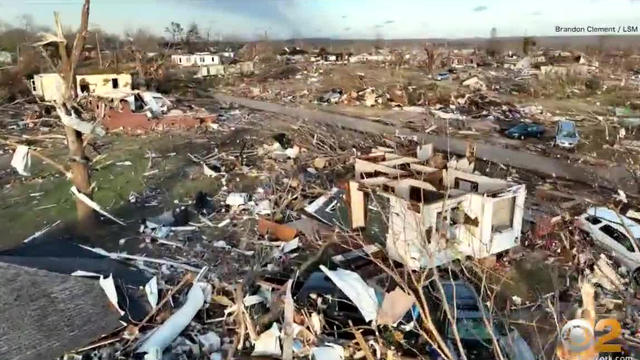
x=337 y=18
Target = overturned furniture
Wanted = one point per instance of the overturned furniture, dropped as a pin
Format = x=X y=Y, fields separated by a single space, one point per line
x=429 y=211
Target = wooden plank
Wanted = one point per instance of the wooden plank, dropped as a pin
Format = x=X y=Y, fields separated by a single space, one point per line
x=357 y=206
x=362 y=342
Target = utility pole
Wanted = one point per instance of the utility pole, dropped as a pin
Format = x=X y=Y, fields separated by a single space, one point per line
x=99 y=52
x=116 y=54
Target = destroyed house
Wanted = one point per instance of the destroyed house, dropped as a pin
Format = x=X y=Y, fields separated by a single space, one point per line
x=330 y=57
x=102 y=83
x=292 y=51
x=49 y=86
x=428 y=212
x=197 y=59
x=366 y=57
x=210 y=70
x=234 y=67
x=462 y=58
x=293 y=54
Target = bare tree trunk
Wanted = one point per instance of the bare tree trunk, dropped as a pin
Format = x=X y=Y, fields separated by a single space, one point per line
x=99 y=52
x=79 y=164
x=80 y=177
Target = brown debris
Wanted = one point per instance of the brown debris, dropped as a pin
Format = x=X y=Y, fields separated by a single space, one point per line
x=132 y=122
x=279 y=231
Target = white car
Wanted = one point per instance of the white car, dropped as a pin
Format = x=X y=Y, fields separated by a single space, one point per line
x=606 y=229
x=150 y=101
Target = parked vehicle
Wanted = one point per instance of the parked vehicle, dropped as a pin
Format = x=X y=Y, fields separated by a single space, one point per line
x=442 y=76
x=333 y=96
x=524 y=130
x=474 y=335
x=566 y=134
x=606 y=229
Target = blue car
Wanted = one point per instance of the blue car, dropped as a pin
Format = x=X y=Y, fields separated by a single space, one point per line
x=442 y=76
x=524 y=130
x=566 y=135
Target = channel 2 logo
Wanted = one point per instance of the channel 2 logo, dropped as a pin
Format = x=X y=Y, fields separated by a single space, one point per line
x=578 y=335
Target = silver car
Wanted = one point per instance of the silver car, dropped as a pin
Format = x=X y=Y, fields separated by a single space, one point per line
x=566 y=134
x=615 y=233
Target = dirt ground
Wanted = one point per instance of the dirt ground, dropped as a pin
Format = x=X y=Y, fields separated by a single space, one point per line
x=302 y=84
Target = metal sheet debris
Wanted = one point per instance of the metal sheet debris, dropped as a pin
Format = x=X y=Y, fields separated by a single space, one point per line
x=356 y=290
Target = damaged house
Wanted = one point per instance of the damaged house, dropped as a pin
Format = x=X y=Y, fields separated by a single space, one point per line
x=197 y=59
x=48 y=86
x=233 y=68
x=369 y=57
x=429 y=212
x=210 y=70
x=322 y=55
x=561 y=64
x=462 y=58
x=292 y=54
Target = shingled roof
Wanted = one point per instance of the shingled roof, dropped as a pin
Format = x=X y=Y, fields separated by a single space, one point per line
x=44 y=314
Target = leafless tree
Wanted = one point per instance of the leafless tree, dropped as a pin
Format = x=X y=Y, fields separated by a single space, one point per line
x=175 y=30
x=527 y=43
x=433 y=57
x=192 y=36
x=26 y=21
x=493 y=48
x=67 y=57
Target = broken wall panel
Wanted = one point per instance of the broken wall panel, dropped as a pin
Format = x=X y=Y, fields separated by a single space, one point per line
x=365 y=169
x=437 y=215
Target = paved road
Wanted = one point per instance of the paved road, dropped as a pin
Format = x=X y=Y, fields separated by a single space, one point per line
x=616 y=177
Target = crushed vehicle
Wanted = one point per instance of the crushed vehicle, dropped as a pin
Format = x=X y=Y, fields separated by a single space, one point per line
x=615 y=233
x=333 y=96
x=474 y=335
x=566 y=135
x=525 y=130
x=152 y=102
